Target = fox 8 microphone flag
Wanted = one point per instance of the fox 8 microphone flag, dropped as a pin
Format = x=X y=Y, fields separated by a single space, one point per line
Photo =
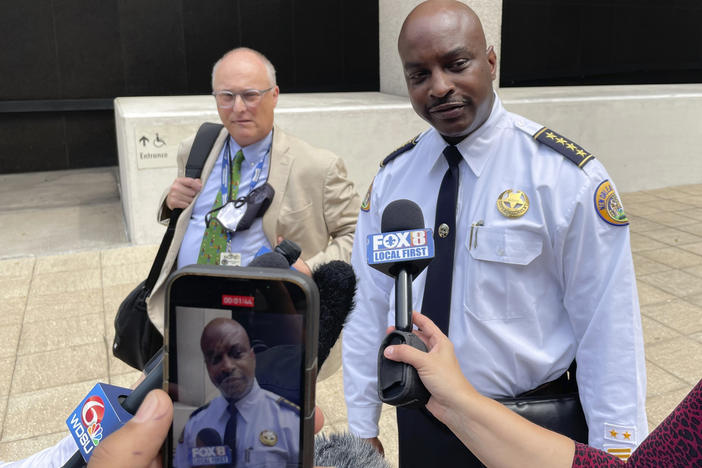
x=399 y=246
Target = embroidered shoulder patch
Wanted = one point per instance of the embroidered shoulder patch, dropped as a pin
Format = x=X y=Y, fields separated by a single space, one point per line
x=608 y=205
x=621 y=434
x=402 y=149
x=564 y=146
x=365 y=206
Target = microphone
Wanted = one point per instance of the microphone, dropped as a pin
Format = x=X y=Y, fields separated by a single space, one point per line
x=207 y=436
x=283 y=256
x=102 y=419
x=336 y=283
x=402 y=250
x=270 y=260
x=209 y=449
x=346 y=451
x=288 y=249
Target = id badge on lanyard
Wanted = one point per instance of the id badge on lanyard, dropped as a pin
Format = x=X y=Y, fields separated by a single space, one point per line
x=233 y=210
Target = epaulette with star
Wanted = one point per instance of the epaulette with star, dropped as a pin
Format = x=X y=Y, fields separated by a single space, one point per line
x=288 y=404
x=563 y=145
x=402 y=149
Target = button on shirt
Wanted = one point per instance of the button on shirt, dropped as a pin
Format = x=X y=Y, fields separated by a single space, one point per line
x=246 y=242
x=260 y=411
x=530 y=294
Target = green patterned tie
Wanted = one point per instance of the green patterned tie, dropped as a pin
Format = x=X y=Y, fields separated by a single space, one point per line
x=214 y=241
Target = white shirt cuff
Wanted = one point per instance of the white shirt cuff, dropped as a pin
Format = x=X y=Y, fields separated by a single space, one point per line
x=52 y=457
x=363 y=420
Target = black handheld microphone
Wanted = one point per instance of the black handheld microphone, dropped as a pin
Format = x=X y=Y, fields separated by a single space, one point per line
x=402 y=251
x=207 y=437
x=283 y=256
x=209 y=450
x=402 y=219
x=288 y=249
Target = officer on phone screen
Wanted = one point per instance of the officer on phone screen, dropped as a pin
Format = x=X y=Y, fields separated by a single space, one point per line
x=259 y=427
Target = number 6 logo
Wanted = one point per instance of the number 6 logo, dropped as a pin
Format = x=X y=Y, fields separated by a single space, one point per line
x=93 y=411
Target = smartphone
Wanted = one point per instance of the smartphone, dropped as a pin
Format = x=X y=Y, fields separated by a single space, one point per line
x=240 y=365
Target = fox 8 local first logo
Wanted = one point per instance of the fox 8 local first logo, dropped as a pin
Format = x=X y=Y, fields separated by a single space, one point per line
x=400 y=246
x=398 y=240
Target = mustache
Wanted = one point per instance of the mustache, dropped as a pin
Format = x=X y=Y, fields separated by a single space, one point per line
x=446 y=102
x=221 y=377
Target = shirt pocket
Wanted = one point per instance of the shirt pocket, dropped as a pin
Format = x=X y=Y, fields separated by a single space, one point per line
x=503 y=276
x=268 y=458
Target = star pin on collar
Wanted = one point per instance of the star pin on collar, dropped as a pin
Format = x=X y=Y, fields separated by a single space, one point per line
x=513 y=204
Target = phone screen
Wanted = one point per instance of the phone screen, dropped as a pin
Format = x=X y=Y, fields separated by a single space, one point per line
x=238 y=358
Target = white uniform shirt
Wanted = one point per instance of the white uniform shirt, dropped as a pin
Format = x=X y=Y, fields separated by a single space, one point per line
x=260 y=413
x=531 y=294
x=52 y=457
x=247 y=242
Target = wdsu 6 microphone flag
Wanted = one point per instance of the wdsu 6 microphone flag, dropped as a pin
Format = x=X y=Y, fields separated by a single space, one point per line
x=97 y=416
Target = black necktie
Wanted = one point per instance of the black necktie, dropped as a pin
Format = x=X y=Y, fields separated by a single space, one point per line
x=437 y=291
x=230 y=432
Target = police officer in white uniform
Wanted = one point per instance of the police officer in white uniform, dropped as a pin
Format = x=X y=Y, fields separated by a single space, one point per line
x=542 y=271
x=262 y=428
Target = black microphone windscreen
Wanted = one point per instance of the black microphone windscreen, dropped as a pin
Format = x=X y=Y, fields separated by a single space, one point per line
x=402 y=215
x=346 y=451
x=270 y=260
x=208 y=437
x=336 y=282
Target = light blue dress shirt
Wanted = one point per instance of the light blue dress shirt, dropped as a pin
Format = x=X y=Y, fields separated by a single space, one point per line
x=267 y=430
x=248 y=242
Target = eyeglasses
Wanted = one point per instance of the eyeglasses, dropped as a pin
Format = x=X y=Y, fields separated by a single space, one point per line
x=225 y=98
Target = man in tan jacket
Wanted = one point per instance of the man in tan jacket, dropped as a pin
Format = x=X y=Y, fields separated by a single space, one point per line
x=315 y=204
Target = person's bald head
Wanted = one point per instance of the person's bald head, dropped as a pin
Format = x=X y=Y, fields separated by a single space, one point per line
x=229 y=358
x=448 y=68
x=238 y=71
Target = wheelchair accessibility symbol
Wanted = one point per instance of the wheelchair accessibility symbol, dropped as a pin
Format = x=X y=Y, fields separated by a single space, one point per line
x=158 y=142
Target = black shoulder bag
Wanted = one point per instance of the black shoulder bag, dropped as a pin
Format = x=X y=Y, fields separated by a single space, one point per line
x=136 y=337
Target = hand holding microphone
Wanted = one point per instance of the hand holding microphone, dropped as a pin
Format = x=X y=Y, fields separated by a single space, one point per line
x=438 y=369
x=402 y=250
x=137 y=443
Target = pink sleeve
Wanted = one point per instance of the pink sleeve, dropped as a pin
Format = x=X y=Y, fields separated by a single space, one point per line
x=586 y=456
x=677 y=441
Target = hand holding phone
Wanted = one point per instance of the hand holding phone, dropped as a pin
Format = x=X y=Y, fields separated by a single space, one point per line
x=240 y=367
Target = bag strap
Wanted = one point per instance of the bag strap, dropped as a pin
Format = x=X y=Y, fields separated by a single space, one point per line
x=202 y=145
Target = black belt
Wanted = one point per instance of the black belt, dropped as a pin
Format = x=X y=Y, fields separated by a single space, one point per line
x=425 y=441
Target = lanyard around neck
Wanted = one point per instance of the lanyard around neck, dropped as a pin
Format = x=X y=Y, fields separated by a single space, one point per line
x=227 y=161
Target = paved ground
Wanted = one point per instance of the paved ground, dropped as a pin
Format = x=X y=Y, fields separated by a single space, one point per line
x=58 y=298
